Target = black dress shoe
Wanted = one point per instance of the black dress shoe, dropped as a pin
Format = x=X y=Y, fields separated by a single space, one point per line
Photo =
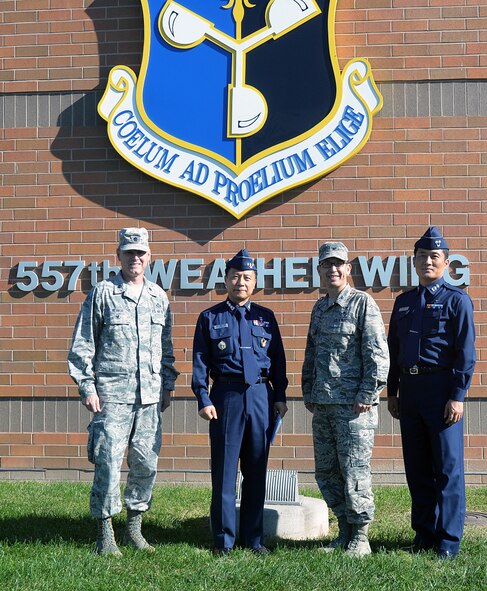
x=446 y=554
x=421 y=545
x=416 y=548
x=261 y=550
x=222 y=551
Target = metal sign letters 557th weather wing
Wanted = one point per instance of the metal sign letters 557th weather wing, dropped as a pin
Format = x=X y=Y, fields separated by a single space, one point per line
x=239 y=101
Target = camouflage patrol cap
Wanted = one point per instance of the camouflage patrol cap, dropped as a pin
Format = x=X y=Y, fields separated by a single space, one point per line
x=335 y=250
x=134 y=239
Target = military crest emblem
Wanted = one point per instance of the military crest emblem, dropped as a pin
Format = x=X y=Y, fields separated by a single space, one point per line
x=238 y=100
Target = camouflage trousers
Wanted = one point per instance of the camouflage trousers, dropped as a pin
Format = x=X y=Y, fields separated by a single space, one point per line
x=111 y=431
x=343 y=443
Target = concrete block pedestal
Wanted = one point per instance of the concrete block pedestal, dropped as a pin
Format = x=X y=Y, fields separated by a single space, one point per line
x=307 y=520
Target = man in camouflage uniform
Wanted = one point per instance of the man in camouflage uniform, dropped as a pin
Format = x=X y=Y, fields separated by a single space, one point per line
x=345 y=367
x=122 y=359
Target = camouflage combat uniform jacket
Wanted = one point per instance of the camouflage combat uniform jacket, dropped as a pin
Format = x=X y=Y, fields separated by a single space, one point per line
x=122 y=349
x=346 y=358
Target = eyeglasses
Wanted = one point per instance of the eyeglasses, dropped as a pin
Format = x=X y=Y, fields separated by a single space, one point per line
x=329 y=264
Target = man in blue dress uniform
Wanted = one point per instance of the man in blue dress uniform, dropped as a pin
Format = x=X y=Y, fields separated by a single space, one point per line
x=238 y=345
x=431 y=343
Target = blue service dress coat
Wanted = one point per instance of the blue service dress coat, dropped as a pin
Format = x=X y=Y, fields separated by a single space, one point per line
x=433 y=451
x=245 y=413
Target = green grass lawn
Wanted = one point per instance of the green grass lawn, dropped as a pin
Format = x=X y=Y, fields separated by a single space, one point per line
x=47 y=542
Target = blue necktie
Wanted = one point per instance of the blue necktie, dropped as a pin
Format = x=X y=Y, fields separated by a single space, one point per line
x=413 y=344
x=250 y=368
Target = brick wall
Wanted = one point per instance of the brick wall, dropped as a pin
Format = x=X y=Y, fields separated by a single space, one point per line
x=65 y=193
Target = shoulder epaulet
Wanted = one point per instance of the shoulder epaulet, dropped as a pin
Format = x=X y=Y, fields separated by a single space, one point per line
x=109 y=282
x=215 y=307
x=355 y=291
x=454 y=288
x=260 y=307
x=407 y=292
x=319 y=303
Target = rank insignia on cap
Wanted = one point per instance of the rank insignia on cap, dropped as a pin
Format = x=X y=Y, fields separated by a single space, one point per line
x=432 y=239
x=333 y=250
x=134 y=239
x=242 y=261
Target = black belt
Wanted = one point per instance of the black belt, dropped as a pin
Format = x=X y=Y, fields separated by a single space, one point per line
x=418 y=370
x=237 y=379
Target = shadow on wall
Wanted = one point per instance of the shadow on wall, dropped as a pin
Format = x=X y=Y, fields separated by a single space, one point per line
x=96 y=171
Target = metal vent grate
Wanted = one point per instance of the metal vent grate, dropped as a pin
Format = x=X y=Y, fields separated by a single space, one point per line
x=281 y=487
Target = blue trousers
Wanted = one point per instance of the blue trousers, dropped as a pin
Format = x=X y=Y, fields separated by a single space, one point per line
x=241 y=432
x=433 y=459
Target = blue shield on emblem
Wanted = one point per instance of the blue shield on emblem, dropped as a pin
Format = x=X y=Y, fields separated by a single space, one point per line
x=236 y=80
x=239 y=100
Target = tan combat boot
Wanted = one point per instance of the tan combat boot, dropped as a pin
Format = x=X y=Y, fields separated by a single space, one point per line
x=133 y=533
x=343 y=538
x=359 y=543
x=105 y=540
